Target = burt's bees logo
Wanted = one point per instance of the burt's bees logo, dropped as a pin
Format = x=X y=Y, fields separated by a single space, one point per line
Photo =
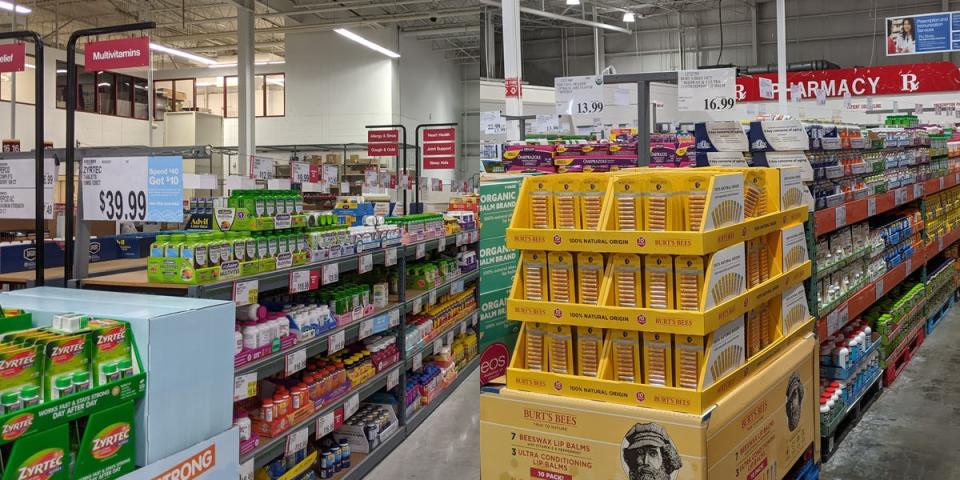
x=641 y=241
x=557 y=313
x=755 y=414
x=549 y=417
x=557 y=385
x=642 y=319
x=641 y=397
x=557 y=240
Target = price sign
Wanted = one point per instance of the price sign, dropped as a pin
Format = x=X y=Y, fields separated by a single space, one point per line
x=456 y=287
x=366 y=329
x=245 y=292
x=303 y=172
x=463 y=328
x=706 y=90
x=909 y=265
x=390 y=257
x=261 y=168
x=821 y=97
x=450 y=337
x=351 y=405
x=939 y=245
x=843 y=314
x=476 y=317
x=441 y=244
x=244 y=386
x=579 y=95
x=418 y=361
x=417 y=305
x=918 y=109
x=18 y=189
x=492 y=123
x=433 y=298
x=303 y=280
x=437 y=345
x=331 y=273
x=133 y=189
x=335 y=342
x=394 y=317
x=900 y=196
x=325 y=425
x=871 y=206
x=941 y=183
x=393 y=379
x=421 y=250
x=295 y=362
x=461 y=238
x=766 y=88
x=246 y=470
x=841 y=216
x=878 y=289
x=366 y=263
x=297 y=441
x=917 y=190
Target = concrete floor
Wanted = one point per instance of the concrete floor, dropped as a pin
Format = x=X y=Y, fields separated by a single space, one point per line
x=446 y=445
x=913 y=430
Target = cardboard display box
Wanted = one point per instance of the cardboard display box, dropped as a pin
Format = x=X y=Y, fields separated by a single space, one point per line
x=756 y=432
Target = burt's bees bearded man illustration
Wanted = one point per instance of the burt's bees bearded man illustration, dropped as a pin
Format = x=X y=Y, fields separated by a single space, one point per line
x=648 y=453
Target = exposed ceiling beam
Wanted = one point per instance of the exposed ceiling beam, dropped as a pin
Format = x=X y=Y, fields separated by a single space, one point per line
x=562 y=18
x=425 y=31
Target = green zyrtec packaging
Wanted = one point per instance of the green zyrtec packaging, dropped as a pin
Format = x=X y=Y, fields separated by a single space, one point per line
x=107 y=446
x=112 y=357
x=41 y=456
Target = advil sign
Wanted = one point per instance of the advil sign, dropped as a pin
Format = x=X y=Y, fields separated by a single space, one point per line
x=121 y=53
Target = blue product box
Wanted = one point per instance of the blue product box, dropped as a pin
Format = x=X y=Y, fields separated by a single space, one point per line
x=133 y=245
x=777 y=136
x=20 y=257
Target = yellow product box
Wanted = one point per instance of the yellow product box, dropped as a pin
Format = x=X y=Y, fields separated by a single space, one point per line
x=756 y=432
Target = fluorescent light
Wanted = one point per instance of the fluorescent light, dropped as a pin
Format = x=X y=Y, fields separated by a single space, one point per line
x=628 y=17
x=366 y=43
x=61 y=70
x=573 y=2
x=181 y=53
x=9 y=7
x=30 y=65
x=228 y=65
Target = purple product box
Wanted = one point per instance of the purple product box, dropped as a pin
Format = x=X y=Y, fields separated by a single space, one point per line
x=521 y=158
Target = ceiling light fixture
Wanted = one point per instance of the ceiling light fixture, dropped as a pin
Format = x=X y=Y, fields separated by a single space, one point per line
x=573 y=2
x=628 y=17
x=182 y=54
x=228 y=65
x=9 y=7
x=366 y=43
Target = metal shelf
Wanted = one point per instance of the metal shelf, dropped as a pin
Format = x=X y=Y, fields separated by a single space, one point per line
x=442 y=289
x=370 y=461
x=424 y=412
x=274 y=447
x=427 y=348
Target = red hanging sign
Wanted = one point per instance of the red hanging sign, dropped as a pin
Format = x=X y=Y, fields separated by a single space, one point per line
x=859 y=82
x=439 y=163
x=113 y=54
x=439 y=149
x=382 y=149
x=440 y=135
x=512 y=87
x=383 y=136
x=12 y=57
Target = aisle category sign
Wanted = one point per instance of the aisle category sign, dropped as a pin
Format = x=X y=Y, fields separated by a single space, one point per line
x=118 y=53
x=145 y=189
x=12 y=57
x=18 y=188
x=439 y=148
x=383 y=143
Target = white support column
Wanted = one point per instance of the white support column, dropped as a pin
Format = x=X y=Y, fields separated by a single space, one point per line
x=782 y=56
x=489 y=40
x=597 y=46
x=246 y=139
x=512 y=61
x=13 y=81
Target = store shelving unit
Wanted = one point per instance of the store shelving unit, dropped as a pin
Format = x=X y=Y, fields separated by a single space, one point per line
x=419 y=416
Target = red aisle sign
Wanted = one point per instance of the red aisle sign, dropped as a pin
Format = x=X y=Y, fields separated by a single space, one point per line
x=382 y=149
x=383 y=136
x=512 y=87
x=439 y=149
x=440 y=135
x=12 y=57
x=859 y=82
x=439 y=163
x=120 y=53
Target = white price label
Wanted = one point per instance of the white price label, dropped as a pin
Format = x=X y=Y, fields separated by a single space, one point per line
x=299 y=281
x=366 y=263
x=245 y=292
x=450 y=337
x=900 y=196
x=843 y=314
x=325 y=425
x=939 y=244
x=335 y=342
x=909 y=265
x=297 y=440
x=417 y=305
x=463 y=328
x=441 y=244
x=917 y=190
x=941 y=182
x=261 y=168
x=871 y=206
x=766 y=88
x=706 y=90
x=366 y=328
x=956 y=177
x=331 y=273
x=295 y=362
x=476 y=317
x=878 y=289
x=421 y=250
x=133 y=189
x=246 y=470
x=456 y=287
x=433 y=298
x=437 y=345
x=461 y=238
x=394 y=317
x=244 y=386
x=393 y=379
x=299 y=172
x=351 y=405
x=18 y=192
x=841 y=216
x=390 y=257
x=578 y=95
x=344 y=188
x=492 y=123
x=418 y=361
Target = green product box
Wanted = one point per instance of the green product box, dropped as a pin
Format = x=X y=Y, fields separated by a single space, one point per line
x=111 y=356
x=498 y=264
x=107 y=447
x=20 y=366
x=179 y=270
x=497 y=201
x=494 y=328
x=41 y=456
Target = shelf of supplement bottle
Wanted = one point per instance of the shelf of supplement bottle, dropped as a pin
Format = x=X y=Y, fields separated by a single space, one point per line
x=417 y=419
x=53 y=276
x=271 y=448
x=452 y=285
x=886 y=338
x=379 y=321
x=941 y=242
x=364 y=463
x=433 y=244
x=832 y=321
x=683 y=400
x=834 y=266
x=937 y=184
x=680 y=322
x=641 y=241
x=832 y=218
x=843 y=374
x=826 y=432
x=444 y=337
